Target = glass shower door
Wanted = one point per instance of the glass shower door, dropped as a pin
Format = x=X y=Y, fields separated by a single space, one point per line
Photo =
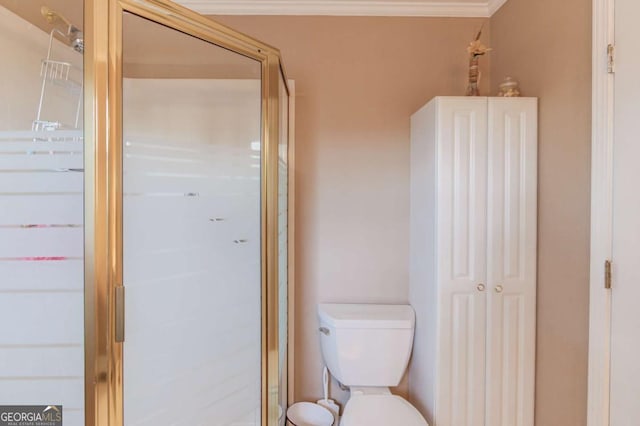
x=191 y=230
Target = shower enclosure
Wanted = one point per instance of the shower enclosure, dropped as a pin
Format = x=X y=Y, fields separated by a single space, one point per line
x=144 y=182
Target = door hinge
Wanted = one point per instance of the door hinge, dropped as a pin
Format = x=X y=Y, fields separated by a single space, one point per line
x=119 y=302
x=611 y=49
x=607 y=274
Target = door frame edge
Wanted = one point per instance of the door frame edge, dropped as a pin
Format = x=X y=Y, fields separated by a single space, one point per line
x=598 y=404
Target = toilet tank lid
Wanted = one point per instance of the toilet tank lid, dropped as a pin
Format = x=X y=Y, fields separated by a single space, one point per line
x=340 y=315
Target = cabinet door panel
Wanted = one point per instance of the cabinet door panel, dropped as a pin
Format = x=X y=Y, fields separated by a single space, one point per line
x=511 y=265
x=462 y=162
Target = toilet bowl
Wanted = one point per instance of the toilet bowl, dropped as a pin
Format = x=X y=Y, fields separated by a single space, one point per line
x=367 y=347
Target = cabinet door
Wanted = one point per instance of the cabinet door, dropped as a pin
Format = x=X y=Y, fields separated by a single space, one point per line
x=511 y=266
x=462 y=168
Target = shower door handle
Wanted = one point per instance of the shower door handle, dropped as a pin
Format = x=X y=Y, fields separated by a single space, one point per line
x=119 y=305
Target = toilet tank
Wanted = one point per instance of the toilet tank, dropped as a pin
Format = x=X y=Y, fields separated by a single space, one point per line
x=366 y=345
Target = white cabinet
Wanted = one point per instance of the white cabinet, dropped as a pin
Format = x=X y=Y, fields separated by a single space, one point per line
x=473 y=260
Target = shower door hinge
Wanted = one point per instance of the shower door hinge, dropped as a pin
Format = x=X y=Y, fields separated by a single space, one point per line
x=119 y=314
x=611 y=50
x=607 y=274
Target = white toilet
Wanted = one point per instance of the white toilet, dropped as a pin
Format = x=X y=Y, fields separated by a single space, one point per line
x=367 y=347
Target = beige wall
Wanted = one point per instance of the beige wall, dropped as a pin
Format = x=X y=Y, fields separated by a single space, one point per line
x=546 y=45
x=358 y=81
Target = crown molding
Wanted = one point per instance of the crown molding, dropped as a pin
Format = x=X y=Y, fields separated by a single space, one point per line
x=423 y=8
x=495 y=5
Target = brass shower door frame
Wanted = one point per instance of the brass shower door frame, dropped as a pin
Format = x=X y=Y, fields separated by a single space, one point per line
x=103 y=194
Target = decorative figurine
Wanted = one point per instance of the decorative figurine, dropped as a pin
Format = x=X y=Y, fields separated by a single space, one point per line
x=509 y=88
x=475 y=49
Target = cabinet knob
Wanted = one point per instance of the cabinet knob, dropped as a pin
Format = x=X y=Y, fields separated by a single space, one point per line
x=499 y=288
x=480 y=287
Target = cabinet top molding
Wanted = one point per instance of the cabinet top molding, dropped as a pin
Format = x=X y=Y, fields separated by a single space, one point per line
x=424 y=8
x=506 y=99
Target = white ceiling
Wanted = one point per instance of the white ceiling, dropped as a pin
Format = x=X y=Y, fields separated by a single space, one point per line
x=442 y=8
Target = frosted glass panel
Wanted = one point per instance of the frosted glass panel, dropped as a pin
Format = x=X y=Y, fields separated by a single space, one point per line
x=41 y=212
x=191 y=226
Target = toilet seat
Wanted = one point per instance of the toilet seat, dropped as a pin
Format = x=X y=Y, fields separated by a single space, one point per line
x=380 y=410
